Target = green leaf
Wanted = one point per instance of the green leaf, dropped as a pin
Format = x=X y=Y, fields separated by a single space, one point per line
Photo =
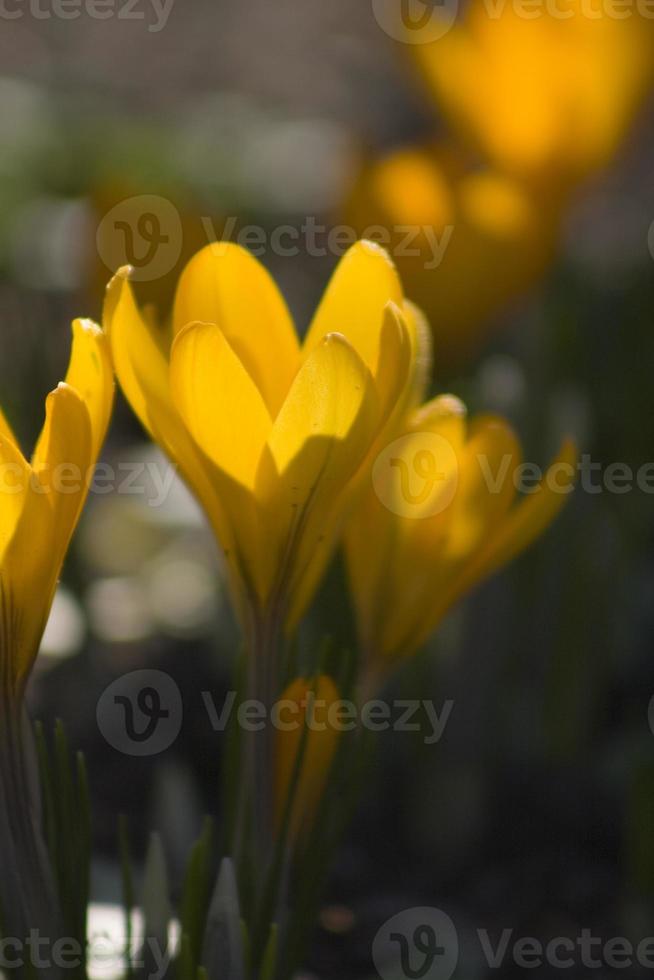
x=156 y=905
x=196 y=894
x=223 y=956
x=269 y=963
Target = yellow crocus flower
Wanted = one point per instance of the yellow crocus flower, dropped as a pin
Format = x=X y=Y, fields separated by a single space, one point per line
x=440 y=516
x=546 y=92
x=41 y=500
x=268 y=432
x=480 y=239
x=307 y=729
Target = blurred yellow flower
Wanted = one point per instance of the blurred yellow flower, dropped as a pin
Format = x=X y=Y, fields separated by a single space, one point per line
x=440 y=516
x=305 y=738
x=478 y=240
x=268 y=433
x=41 y=500
x=545 y=91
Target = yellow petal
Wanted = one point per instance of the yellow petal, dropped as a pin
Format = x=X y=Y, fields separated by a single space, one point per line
x=364 y=282
x=225 y=285
x=397 y=535
x=486 y=488
x=507 y=537
x=53 y=491
x=6 y=430
x=219 y=401
x=15 y=474
x=528 y=519
x=90 y=373
x=394 y=365
x=304 y=706
x=28 y=571
x=139 y=361
x=432 y=535
x=423 y=352
x=316 y=444
x=382 y=534
x=143 y=372
x=63 y=462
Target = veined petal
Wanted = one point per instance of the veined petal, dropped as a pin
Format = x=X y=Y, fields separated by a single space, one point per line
x=394 y=364
x=219 y=401
x=316 y=444
x=224 y=284
x=392 y=385
x=364 y=282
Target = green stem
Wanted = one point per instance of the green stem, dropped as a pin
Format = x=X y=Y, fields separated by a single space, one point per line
x=27 y=892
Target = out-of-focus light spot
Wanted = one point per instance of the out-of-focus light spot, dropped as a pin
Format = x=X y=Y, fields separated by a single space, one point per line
x=26 y=121
x=118 y=610
x=182 y=596
x=66 y=627
x=231 y=147
x=502 y=385
x=300 y=165
x=46 y=248
x=107 y=943
x=337 y=919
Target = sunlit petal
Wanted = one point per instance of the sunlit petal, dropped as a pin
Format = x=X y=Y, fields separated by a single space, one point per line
x=218 y=400
x=364 y=282
x=225 y=285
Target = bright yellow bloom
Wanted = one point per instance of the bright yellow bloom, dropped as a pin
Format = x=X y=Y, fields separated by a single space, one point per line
x=440 y=516
x=268 y=433
x=547 y=93
x=483 y=239
x=40 y=502
x=305 y=717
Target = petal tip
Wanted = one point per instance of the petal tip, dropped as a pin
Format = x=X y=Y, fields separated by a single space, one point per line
x=375 y=250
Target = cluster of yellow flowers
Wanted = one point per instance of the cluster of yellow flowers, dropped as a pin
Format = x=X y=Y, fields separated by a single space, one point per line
x=538 y=96
x=278 y=440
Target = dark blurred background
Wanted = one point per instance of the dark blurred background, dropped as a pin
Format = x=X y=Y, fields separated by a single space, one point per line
x=535 y=811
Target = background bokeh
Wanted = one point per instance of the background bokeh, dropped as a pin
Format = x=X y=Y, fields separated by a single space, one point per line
x=535 y=812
